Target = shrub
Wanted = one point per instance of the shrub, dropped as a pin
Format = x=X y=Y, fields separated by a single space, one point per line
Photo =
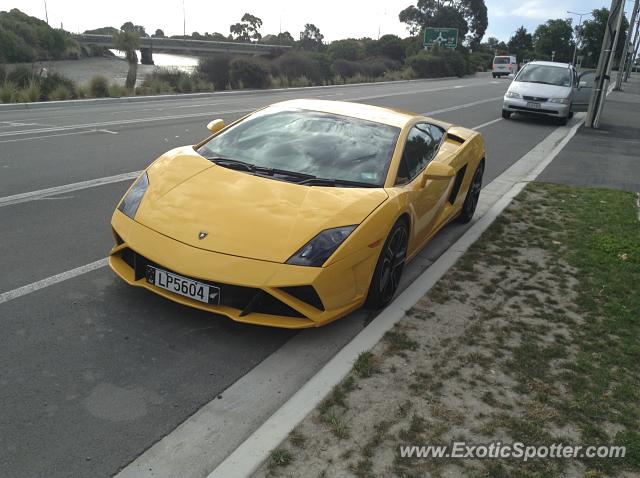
x=82 y=91
x=371 y=68
x=185 y=84
x=248 y=73
x=216 y=70
x=117 y=91
x=29 y=94
x=21 y=76
x=54 y=81
x=437 y=63
x=61 y=92
x=3 y=74
x=32 y=92
x=99 y=87
x=348 y=49
x=295 y=64
x=7 y=92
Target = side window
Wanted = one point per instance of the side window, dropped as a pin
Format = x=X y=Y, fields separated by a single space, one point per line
x=421 y=147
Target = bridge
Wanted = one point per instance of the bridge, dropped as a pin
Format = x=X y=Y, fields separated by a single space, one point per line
x=147 y=44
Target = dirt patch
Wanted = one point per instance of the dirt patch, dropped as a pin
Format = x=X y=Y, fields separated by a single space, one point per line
x=492 y=353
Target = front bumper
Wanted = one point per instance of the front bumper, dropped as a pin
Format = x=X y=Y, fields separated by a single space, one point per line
x=517 y=105
x=283 y=290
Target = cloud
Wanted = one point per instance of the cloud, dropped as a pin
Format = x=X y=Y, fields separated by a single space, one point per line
x=530 y=9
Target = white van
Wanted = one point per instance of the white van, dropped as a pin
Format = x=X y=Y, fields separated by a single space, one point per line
x=504 y=65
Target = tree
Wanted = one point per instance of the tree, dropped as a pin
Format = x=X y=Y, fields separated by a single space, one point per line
x=389 y=46
x=247 y=29
x=286 y=39
x=521 y=43
x=349 y=49
x=158 y=34
x=131 y=28
x=311 y=38
x=591 y=33
x=468 y=16
x=555 y=35
x=128 y=42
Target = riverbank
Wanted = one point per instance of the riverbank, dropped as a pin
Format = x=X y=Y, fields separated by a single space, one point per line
x=113 y=68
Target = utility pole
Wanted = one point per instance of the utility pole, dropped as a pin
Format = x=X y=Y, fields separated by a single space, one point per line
x=575 y=46
x=625 y=51
x=634 y=52
x=611 y=33
x=46 y=13
x=184 y=22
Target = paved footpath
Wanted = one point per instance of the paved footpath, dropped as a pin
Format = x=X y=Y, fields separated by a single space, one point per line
x=609 y=156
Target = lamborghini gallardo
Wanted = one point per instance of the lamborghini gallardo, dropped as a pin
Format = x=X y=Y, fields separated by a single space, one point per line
x=298 y=213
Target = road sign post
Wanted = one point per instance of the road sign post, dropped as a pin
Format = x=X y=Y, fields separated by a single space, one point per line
x=445 y=37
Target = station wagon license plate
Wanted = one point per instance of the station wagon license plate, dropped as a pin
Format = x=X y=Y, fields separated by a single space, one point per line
x=181 y=285
x=535 y=106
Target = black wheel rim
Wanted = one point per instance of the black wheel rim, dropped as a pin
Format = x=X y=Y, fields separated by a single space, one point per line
x=474 y=190
x=393 y=258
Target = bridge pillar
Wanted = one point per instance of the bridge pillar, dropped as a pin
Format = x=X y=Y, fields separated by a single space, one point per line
x=146 y=56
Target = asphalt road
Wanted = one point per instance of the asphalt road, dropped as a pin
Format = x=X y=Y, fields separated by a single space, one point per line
x=93 y=371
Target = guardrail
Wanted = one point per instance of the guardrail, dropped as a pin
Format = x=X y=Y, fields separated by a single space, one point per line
x=185 y=44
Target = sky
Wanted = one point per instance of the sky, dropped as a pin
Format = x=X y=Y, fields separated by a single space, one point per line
x=336 y=18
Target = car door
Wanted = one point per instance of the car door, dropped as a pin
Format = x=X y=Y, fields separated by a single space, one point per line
x=582 y=92
x=425 y=197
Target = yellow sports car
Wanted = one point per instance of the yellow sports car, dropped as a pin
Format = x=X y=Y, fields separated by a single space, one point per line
x=298 y=213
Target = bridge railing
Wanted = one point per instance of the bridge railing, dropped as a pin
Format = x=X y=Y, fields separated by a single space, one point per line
x=184 y=44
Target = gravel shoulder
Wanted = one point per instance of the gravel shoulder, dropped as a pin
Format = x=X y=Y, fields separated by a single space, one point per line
x=531 y=337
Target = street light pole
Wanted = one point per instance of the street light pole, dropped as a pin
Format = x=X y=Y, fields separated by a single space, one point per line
x=575 y=46
x=596 y=102
x=625 y=50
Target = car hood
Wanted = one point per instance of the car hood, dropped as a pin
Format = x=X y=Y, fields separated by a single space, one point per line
x=242 y=214
x=539 y=90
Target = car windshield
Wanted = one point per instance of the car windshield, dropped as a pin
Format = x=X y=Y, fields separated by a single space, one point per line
x=320 y=145
x=545 y=74
x=501 y=60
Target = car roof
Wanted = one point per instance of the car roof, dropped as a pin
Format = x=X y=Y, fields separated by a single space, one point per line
x=378 y=114
x=550 y=63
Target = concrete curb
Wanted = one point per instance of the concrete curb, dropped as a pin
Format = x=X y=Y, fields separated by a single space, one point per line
x=187 y=96
x=246 y=459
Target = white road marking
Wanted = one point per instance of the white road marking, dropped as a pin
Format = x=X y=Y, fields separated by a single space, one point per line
x=37 y=138
x=41 y=284
x=43 y=193
x=480 y=126
x=460 y=107
x=117 y=122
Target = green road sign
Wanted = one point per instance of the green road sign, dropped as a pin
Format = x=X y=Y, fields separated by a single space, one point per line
x=446 y=37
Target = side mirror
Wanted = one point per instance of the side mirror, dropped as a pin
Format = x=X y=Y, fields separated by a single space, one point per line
x=435 y=170
x=215 y=125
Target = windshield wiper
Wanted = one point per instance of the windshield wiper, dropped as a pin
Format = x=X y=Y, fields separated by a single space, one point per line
x=336 y=182
x=282 y=172
x=254 y=168
x=232 y=163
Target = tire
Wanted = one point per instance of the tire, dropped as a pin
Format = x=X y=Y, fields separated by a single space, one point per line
x=471 y=201
x=386 y=276
x=494 y=76
x=506 y=114
x=570 y=114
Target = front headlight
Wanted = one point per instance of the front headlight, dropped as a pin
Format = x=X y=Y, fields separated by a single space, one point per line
x=130 y=203
x=319 y=249
x=562 y=101
x=513 y=94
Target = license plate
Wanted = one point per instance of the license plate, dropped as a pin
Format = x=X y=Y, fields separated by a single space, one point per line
x=195 y=290
x=535 y=106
